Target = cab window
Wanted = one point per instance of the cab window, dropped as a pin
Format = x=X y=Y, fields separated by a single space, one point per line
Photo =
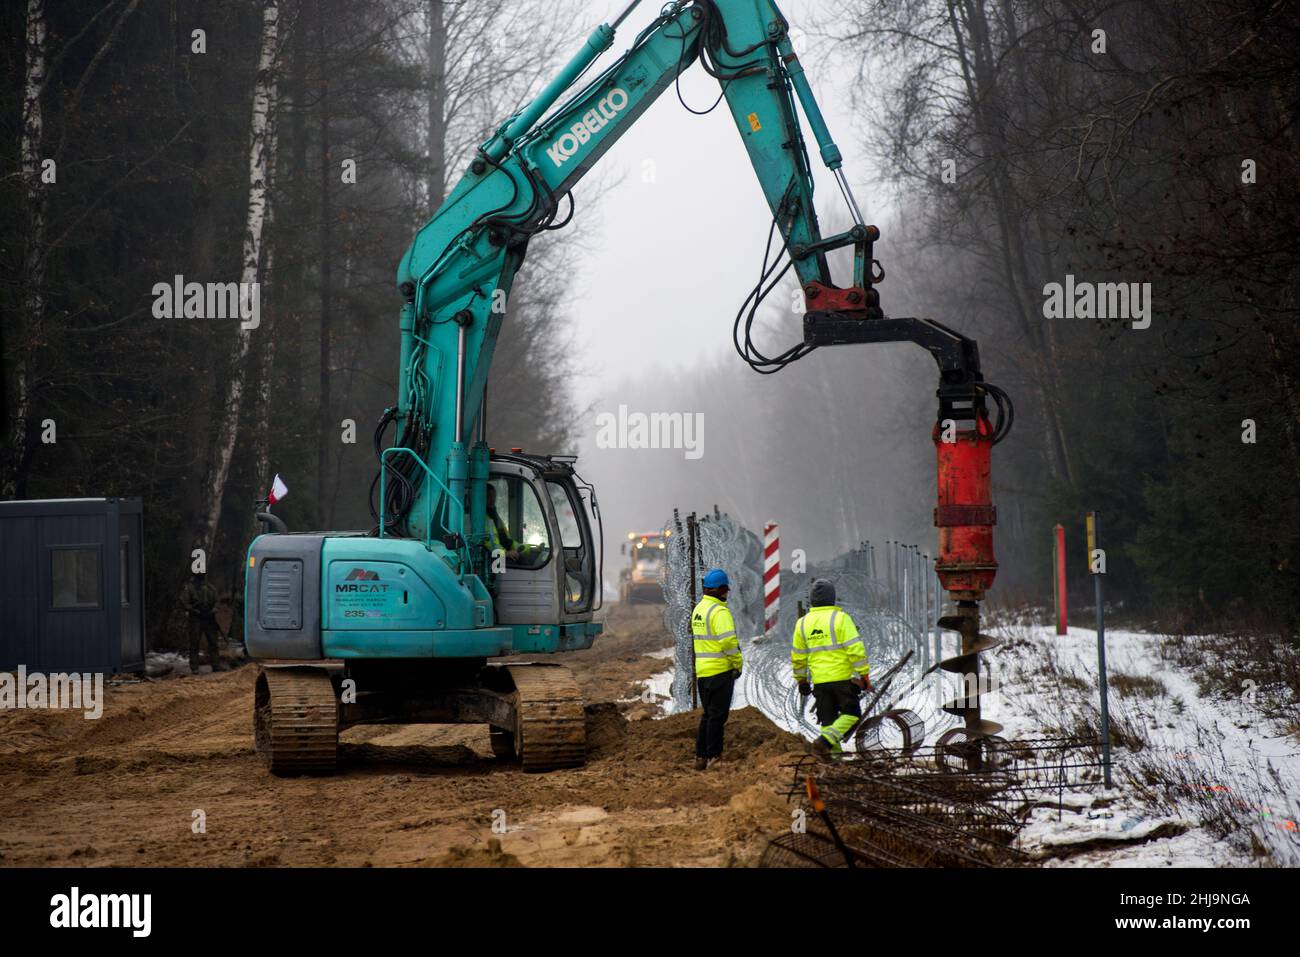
x=570 y=533
x=578 y=573
x=521 y=522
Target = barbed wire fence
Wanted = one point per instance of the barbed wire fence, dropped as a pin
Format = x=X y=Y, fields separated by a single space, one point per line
x=890 y=590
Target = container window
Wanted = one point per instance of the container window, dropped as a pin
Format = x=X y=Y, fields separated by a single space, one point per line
x=74 y=577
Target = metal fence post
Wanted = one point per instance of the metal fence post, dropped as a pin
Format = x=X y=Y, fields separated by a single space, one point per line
x=938 y=639
x=692 y=544
x=1096 y=565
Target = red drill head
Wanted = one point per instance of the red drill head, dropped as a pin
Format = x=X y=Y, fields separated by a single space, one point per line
x=965 y=514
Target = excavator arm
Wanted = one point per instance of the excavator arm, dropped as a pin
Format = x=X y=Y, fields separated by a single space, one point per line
x=457 y=274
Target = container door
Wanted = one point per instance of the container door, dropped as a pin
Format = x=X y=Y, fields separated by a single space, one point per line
x=73 y=605
x=20 y=610
x=131 y=592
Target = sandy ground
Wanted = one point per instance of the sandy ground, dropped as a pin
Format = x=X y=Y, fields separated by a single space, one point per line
x=125 y=789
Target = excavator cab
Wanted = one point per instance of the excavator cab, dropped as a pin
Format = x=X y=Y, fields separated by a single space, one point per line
x=548 y=572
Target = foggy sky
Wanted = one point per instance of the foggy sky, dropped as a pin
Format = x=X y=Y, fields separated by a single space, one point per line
x=672 y=259
x=667 y=266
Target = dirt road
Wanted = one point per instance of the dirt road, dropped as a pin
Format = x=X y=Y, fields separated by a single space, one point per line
x=125 y=789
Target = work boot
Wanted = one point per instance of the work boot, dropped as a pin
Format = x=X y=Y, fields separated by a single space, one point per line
x=701 y=763
x=821 y=748
x=712 y=762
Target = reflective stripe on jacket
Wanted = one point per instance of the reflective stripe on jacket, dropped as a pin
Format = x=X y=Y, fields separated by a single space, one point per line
x=499 y=539
x=827 y=647
x=717 y=650
x=497 y=535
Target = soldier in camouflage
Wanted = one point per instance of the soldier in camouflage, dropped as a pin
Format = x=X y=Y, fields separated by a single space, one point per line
x=199 y=599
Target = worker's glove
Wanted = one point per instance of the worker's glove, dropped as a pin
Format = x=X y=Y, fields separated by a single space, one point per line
x=862 y=682
x=805 y=688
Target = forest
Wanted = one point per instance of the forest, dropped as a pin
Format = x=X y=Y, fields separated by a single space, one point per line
x=1032 y=152
x=297 y=145
x=1025 y=147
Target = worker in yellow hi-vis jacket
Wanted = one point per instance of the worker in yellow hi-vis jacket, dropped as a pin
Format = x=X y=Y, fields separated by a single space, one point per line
x=829 y=653
x=717 y=665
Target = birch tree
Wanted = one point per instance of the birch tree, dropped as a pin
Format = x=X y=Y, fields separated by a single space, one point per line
x=260 y=167
x=266 y=365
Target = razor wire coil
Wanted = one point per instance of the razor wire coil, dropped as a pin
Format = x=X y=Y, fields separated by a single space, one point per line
x=890 y=591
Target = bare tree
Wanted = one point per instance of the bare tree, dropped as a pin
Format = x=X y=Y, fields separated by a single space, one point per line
x=34 y=152
x=260 y=168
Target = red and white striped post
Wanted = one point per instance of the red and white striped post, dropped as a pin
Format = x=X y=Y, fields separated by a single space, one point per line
x=771 y=576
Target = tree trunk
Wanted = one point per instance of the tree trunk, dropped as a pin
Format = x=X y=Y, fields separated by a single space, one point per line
x=32 y=307
x=1290 y=400
x=266 y=361
x=260 y=169
x=325 y=421
x=437 y=144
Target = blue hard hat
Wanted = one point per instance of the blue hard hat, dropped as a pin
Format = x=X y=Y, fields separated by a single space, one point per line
x=716 y=578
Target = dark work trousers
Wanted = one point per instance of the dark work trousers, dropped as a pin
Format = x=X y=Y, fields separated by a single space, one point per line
x=835 y=698
x=205 y=628
x=715 y=699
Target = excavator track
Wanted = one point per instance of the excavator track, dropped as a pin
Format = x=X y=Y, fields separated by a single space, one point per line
x=295 y=721
x=551 y=729
x=503 y=742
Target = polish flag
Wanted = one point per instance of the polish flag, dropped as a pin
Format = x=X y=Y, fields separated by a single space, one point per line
x=278 y=490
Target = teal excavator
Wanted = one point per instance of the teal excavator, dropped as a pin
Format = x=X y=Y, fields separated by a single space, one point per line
x=477 y=555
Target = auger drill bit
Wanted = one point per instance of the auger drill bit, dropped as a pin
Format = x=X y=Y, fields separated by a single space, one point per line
x=965 y=517
x=966 y=666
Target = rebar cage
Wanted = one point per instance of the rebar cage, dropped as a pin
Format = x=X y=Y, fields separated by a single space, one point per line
x=891 y=808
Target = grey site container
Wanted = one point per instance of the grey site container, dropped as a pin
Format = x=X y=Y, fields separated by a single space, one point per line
x=72 y=585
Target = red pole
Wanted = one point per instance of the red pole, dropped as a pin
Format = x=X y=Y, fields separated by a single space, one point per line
x=1058 y=589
